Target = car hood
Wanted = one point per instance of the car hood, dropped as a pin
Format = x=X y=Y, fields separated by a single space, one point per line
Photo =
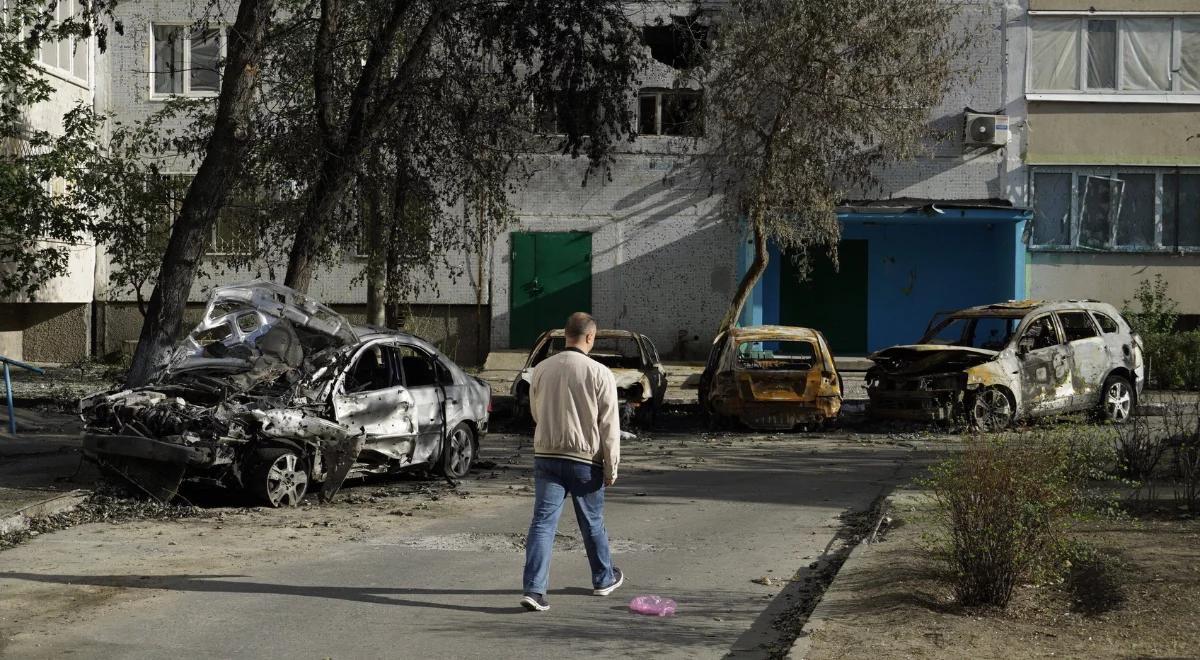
x=929 y=358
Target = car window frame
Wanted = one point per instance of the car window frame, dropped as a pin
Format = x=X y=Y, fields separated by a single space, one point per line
x=1097 y=315
x=428 y=356
x=1097 y=333
x=1028 y=323
x=382 y=346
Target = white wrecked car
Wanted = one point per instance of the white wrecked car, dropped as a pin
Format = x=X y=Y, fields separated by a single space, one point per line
x=1014 y=360
x=274 y=393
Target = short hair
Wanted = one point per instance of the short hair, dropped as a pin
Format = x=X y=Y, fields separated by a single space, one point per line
x=579 y=324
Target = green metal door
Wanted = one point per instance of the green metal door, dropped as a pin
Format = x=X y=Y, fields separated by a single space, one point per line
x=832 y=301
x=551 y=279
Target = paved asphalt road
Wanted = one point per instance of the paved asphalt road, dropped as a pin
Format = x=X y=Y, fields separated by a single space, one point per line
x=693 y=517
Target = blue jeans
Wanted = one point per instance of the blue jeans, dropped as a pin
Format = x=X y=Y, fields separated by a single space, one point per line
x=554 y=479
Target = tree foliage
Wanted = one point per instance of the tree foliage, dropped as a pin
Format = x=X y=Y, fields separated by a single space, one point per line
x=807 y=100
x=39 y=224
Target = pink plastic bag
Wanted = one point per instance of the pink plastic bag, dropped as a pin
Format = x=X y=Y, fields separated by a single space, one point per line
x=652 y=606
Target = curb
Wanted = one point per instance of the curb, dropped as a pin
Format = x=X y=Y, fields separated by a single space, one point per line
x=19 y=520
x=820 y=614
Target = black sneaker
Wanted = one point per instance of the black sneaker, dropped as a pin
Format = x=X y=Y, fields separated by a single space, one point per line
x=535 y=602
x=618 y=580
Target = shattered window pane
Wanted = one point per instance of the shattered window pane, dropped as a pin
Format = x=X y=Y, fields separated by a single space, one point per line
x=212 y=335
x=248 y=323
x=648 y=114
x=375 y=369
x=1076 y=325
x=990 y=332
x=777 y=355
x=1107 y=325
x=1097 y=210
x=1040 y=334
x=1135 y=226
x=418 y=367
x=682 y=114
x=1052 y=208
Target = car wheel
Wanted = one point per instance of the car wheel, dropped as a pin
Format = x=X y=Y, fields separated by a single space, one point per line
x=1116 y=400
x=990 y=409
x=279 y=477
x=459 y=452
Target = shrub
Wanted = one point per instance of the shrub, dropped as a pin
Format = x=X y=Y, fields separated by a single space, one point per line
x=1182 y=425
x=1158 y=311
x=1004 y=503
x=1139 y=448
x=1173 y=360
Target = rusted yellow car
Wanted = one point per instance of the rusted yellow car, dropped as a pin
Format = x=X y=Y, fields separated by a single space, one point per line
x=771 y=378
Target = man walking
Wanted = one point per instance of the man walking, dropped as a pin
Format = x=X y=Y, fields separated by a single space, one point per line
x=576 y=448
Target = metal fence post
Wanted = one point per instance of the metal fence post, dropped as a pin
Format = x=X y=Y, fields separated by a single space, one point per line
x=12 y=415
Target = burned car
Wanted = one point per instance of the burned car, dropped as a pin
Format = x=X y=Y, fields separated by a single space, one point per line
x=771 y=378
x=633 y=360
x=1014 y=360
x=274 y=392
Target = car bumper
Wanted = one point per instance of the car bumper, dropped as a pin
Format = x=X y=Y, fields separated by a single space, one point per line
x=134 y=446
x=780 y=415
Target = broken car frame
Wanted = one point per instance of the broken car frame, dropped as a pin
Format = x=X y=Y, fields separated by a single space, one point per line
x=998 y=363
x=771 y=378
x=273 y=391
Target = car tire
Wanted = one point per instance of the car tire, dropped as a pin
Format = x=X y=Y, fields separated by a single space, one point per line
x=990 y=409
x=278 y=477
x=458 y=452
x=1117 y=400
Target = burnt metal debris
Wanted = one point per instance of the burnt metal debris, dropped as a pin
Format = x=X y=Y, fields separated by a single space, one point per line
x=274 y=393
x=999 y=363
x=771 y=378
x=633 y=360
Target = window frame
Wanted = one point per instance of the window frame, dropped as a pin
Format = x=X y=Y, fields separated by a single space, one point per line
x=1091 y=322
x=73 y=43
x=658 y=94
x=188 y=28
x=1175 y=94
x=1078 y=176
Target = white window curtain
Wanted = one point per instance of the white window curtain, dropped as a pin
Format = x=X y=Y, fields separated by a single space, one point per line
x=1055 y=53
x=1146 y=54
x=1189 y=54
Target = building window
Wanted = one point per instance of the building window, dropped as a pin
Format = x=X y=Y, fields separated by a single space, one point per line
x=69 y=57
x=186 y=60
x=1124 y=56
x=671 y=112
x=1122 y=209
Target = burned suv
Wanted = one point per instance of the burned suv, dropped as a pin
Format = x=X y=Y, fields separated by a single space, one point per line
x=274 y=391
x=1014 y=360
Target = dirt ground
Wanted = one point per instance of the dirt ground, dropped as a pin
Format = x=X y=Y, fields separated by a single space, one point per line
x=896 y=600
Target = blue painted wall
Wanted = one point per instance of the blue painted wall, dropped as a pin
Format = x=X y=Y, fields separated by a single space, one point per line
x=920 y=265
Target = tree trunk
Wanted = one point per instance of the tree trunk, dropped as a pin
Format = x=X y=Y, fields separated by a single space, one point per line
x=207 y=193
x=377 y=259
x=750 y=279
x=394 y=259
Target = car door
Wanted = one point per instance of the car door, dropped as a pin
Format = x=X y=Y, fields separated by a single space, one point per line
x=370 y=397
x=1044 y=367
x=421 y=379
x=654 y=370
x=1089 y=356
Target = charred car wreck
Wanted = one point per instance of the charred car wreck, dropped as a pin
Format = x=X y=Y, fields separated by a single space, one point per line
x=1020 y=359
x=633 y=360
x=771 y=378
x=274 y=393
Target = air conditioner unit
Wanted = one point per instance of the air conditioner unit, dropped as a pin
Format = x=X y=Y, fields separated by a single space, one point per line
x=986 y=130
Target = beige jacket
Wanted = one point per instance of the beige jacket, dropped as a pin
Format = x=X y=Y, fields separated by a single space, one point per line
x=573 y=399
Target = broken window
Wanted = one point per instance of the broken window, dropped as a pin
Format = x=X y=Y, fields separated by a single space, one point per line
x=565 y=112
x=680 y=43
x=1098 y=211
x=1076 y=325
x=777 y=355
x=1041 y=333
x=1135 y=224
x=671 y=112
x=1181 y=210
x=418 y=367
x=1107 y=325
x=375 y=369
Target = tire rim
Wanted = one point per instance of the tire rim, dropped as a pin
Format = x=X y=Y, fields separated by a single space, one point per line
x=992 y=410
x=1118 y=401
x=460 y=452
x=286 y=482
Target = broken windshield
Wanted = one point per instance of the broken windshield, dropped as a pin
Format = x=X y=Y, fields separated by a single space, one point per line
x=777 y=355
x=986 y=332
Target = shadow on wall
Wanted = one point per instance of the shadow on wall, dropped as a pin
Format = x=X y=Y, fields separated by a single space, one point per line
x=45 y=332
x=676 y=293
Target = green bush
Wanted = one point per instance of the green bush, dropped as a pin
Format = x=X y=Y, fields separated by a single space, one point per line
x=1004 y=504
x=1173 y=359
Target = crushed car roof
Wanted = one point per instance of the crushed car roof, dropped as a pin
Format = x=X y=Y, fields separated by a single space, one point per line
x=768 y=332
